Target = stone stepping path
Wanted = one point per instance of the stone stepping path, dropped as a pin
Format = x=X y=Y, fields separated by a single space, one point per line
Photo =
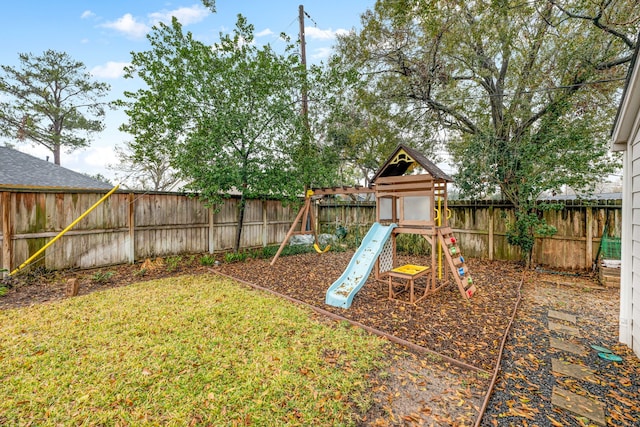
x=562 y=328
x=561 y=315
x=568 y=346
x=572 y=370
x=579 y=405
x=561 y=398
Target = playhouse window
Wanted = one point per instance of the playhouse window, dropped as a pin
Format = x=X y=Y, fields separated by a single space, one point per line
x=417 y=208
x=385 y=208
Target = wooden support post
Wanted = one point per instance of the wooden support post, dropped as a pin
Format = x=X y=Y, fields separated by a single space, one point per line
x=491 y=233
x=212 y=234
x=303 y=209
x=73 y=286
x=589 y=238
x=132 y=229
x=7 y=252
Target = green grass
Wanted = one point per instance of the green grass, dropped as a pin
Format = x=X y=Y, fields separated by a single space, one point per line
x=181 y=351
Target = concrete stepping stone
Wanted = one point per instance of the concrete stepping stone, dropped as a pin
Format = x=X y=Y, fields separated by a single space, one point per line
x=570 y=369
x=579 y=405
x=559 y=327
x=561 y=315
x=567 y=346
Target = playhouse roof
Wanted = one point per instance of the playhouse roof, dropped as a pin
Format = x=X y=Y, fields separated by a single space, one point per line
x=404 y=159
x=21 y=170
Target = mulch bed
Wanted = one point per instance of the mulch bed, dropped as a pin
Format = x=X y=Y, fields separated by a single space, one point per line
x=420 y=389
x=443 y=322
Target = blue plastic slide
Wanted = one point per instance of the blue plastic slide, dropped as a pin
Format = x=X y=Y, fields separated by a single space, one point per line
x=341 y=293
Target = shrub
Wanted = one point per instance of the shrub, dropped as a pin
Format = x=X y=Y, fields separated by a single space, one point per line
x=207 y=260
x=102 y=276
x=173 y=262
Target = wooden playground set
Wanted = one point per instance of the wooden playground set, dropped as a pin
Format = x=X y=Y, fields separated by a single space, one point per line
x=406 y=203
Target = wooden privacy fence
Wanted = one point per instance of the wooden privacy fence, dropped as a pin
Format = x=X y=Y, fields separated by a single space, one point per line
x=132 y=226
x=481 y=229
x=128 y=227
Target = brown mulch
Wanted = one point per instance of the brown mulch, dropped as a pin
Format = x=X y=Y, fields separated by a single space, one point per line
x=443 y=322
x=418 y=388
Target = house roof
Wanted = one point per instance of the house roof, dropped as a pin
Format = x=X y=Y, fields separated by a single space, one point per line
x=20 y=170
x=405 y=158
x=629 y=105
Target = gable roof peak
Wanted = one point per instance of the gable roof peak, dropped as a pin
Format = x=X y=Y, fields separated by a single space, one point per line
x=404 y=159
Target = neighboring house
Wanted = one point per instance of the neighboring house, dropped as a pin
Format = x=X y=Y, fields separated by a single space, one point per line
x=22 y=171
x=626 y=138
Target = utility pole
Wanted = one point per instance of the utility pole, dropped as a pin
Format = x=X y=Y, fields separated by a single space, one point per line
x=303 y=60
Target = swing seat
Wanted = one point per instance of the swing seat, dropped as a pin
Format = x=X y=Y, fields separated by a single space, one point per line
x=321 y=251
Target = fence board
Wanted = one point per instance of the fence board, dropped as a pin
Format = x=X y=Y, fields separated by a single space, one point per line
x=170 y=223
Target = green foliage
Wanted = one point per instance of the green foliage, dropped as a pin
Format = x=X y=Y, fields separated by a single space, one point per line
x=135 y=356
x=528 y=224
x=230 y=115
x=102 y=276
x=525 y=93
x=51 y=100
x=207 y=260
x=173 y=262
x=412 y=244
x=231 y=257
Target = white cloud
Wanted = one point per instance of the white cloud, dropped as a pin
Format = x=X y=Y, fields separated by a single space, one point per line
x=128 y=25
x=318 y=34
x=186 y=15
x=87 y=14
x=98 y=157
x=321 y=53
x=265 y=32
x=110 y=70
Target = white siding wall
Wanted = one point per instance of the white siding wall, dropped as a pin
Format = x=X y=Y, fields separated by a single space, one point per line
x=634 y=258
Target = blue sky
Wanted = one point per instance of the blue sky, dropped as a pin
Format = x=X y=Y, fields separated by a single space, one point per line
x=102 y=34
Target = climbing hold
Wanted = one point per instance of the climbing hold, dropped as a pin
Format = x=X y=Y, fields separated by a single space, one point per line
x=470 y=280
x=461 y=271
x=453 y=240
x=461 y=259
x=452 y=250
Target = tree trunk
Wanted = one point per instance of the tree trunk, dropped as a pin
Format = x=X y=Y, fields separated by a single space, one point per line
x=241 y=205
x=56 y=155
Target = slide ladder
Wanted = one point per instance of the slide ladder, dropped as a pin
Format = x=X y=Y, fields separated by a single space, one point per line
x=456 y=262
x=342 y=291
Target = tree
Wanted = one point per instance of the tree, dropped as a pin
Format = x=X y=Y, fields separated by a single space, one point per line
x=51 y=101
x=154 y=174
x=363 y=128
x=227 y=116
x=524 y=91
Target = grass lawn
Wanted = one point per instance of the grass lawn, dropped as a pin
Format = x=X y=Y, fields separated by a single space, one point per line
x=192 y=350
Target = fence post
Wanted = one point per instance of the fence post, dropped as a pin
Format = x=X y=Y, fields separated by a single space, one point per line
x=212 y=246
x=6 y=232
x=264 y=224
x=131 y=213
x=589 y=237
x=491 y=232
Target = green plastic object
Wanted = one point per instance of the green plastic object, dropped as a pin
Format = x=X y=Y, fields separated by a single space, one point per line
x=610 y=247
x=601 y=349
x=610 y=357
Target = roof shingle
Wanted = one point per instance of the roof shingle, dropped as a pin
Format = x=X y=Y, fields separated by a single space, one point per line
x=20 y=170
